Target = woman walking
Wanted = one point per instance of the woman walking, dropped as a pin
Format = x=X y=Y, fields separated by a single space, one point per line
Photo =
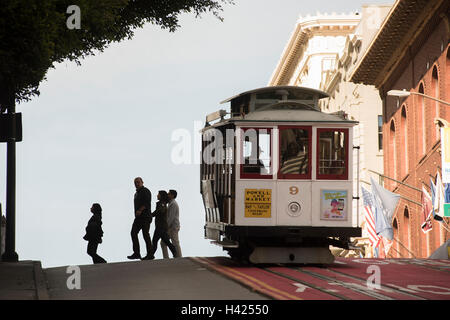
x=161 y=226
x=94 y=233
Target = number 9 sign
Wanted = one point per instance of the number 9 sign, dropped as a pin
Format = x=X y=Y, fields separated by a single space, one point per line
x=293 y=190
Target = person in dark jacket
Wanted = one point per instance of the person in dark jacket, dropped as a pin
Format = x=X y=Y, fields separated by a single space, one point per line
x=161 y=225
x=94 y=233
x=142 y=220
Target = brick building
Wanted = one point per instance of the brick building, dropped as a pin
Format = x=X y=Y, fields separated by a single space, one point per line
x=411 y=52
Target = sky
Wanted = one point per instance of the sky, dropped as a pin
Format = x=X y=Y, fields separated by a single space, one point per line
x=119 y=115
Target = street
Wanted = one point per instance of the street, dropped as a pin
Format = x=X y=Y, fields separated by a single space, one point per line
x=220 y=278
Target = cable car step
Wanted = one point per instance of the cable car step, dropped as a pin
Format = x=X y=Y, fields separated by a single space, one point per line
x=226 y=244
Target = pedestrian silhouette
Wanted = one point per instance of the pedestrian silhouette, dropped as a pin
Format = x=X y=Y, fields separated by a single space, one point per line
x=161 y=225
x=94 y=233
x=142 y=220
x=173 y=223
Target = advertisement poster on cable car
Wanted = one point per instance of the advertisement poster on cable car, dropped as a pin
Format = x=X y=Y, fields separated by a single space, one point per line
x=334 y=205
x=258 y=203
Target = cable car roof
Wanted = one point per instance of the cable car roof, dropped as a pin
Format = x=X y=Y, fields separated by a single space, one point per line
x=277 y=104
x=285 y=112
x=292 y=115
x=294 y=92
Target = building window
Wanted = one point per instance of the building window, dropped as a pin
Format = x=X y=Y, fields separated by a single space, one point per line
x=435 y=90
x=422 y=116
x=393 y=149
x=380 y=133
x=327 y=68
x=395 y=253
x=408 y=229
x=404 y=128
x=328 y=64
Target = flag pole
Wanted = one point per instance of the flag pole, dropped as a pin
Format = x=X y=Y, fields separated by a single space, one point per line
x=405 y=198
x=443 y=226
x=389 y=252
x=402 y=183
x=404 y=247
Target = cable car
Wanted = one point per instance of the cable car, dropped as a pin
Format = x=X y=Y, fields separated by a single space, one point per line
x=276 y=177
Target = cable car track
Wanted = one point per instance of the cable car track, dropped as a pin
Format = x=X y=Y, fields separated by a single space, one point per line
x=286 y=282
x=404 y=292
x=310 y=285
x=351 y=287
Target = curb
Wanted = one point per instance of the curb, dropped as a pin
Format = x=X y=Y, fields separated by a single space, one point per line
x=40 y=282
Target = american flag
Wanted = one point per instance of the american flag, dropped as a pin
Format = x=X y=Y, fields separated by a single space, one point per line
x=427 y=209
x=368 y=217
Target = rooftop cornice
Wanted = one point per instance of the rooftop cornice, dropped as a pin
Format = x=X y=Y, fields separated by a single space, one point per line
x=306 y=27
x=329 y=21
x=402 y=25
x=328 y=16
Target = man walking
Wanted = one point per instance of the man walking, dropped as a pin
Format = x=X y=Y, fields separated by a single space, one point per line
x=142 y=220
x=173 y=223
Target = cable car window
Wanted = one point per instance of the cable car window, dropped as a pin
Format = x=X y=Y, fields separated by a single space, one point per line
x=295 y=152
x=332 y=154
x=256 y=153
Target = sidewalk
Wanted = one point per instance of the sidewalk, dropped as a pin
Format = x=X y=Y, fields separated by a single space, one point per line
x=22 y=280
x=159 y=279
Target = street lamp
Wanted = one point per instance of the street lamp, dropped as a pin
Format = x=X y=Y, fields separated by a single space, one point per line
x=403 y=94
